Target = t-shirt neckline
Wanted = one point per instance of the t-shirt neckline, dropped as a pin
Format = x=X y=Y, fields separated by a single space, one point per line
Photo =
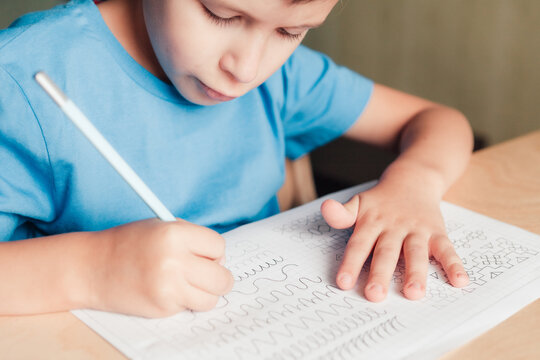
x=144 y=78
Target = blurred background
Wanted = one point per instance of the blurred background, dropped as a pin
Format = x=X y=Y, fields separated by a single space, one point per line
x=479 y=56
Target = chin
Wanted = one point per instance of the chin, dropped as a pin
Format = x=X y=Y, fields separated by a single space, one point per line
x=194 y=95
x=201 y=100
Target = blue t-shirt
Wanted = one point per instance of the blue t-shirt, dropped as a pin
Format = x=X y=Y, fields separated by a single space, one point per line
x=218 y=166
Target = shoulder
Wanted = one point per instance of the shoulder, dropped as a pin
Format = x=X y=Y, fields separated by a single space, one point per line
x=309 y=75
x=302 y=67
x=41 y=24
x=62 y=41
x=302 y=60
x=304 y=56
x=47 y=37
x=307 y=70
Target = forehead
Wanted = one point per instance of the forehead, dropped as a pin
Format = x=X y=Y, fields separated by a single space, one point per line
x=285 y=12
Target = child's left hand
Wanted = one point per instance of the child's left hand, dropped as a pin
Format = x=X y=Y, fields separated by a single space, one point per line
x=390 y=220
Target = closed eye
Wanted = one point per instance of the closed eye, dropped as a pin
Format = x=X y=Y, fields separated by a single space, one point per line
x=222 y=21
x=218 y=19
x=287 y=35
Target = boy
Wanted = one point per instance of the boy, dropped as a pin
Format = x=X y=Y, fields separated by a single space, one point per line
x=214 y=94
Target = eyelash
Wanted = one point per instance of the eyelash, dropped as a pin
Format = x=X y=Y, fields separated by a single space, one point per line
x=287 y=35
x=218 y=20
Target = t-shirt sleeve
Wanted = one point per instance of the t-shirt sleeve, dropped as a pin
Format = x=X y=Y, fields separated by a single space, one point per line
x=322 y=100
x=26 y=184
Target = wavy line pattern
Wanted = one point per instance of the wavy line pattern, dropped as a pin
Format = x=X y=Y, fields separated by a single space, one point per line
x=304 y=309
x=293 y=319
x=297 y=305
x=318 y=338
x=256 y=288
x=285 y=309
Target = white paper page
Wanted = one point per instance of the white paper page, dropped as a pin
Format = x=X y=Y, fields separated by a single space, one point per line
x=285 y=305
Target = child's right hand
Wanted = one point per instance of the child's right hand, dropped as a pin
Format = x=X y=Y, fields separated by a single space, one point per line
x=153 y=268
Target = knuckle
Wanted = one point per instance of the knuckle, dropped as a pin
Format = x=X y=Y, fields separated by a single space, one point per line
x=454 y=261
x=378 y=275
x=217 y=242
x=168 y=232
x=161 y=293
x=220 y=245
x=356 y=247
x=207 y=303
x=229 y=282
x=164 y=303
x=372 y=217
x=224 y=282
x=448 y=254
x=164 y=241
x=414 y=249
x=384 y=249
x=163 y=269
x=161 y=312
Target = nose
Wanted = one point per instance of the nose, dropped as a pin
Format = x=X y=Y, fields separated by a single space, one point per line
x=243 y=58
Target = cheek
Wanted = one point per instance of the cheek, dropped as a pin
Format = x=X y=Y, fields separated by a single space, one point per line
x=176 y=54
x=276 y=53
x=182 y=43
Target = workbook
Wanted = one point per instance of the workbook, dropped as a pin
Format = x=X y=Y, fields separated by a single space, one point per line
x=285 y=303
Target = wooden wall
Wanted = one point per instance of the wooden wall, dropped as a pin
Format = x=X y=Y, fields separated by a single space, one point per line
x=480 y=56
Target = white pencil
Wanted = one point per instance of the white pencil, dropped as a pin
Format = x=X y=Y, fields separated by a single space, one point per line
x=102 y=145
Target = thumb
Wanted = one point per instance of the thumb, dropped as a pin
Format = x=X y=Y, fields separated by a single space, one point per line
x=340 y=216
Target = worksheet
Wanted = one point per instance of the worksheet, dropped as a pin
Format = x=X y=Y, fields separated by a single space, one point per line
x=285 y=303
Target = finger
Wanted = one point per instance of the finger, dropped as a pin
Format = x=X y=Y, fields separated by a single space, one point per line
x=357 y=251
x=221 y=261
x=196 y=299
x=383 y=265
x=208 y=243
x=444 y=252
x=416 y=254
x=338 y=215
x=208 y=276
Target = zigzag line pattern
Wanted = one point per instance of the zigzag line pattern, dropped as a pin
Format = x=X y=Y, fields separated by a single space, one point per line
x=365 y=340
x=251 y=260
x=257 y=269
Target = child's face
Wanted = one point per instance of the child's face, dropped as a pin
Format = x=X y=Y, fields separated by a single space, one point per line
x=216 y=50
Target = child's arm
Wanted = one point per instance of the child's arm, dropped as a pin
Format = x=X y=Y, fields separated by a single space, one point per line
x=148 y=268
x=401 y=213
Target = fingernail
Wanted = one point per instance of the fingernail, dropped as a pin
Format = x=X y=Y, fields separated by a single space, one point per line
x=414 y=285
x=345 y=280
x=461 y=275
x=376 y=288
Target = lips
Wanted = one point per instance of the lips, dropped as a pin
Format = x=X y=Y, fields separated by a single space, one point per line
x=215 y=95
